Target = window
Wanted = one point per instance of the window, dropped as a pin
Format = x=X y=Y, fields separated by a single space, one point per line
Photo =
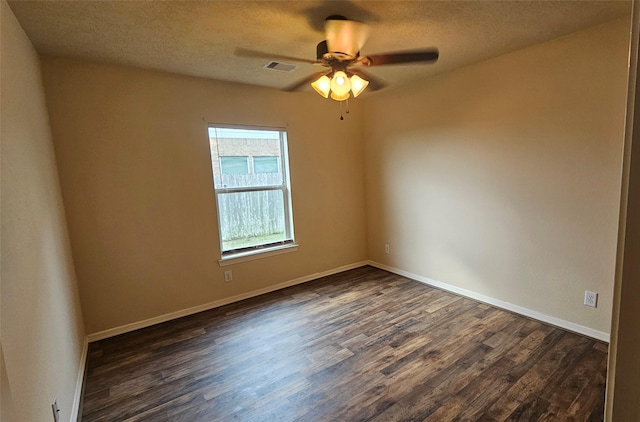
x=266 y=165
x=234 y=165
x=254 y=204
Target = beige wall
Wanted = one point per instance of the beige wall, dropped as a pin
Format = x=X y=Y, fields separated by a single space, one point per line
x=502 y=178
x=42 y=332
x=135 y=169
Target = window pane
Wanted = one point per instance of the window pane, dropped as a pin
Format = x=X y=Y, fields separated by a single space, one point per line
x=265 y=165
x=229 y=144
x=234 y=165
x=251 y=218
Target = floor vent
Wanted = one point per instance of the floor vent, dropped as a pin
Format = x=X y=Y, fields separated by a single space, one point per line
x=283 y=67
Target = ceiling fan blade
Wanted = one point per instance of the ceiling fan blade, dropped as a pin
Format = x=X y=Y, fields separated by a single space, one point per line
x=243 y=52
x=374 y=83
x=306 y=81
x=417 y=56
x=345 y=36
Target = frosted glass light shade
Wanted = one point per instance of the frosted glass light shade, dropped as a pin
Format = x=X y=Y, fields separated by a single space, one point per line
x=337 y=97
x=340 y=84
x=358 y=85
x=322 y=86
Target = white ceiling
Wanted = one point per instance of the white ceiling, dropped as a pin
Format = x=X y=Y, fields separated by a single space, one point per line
x=200 y=38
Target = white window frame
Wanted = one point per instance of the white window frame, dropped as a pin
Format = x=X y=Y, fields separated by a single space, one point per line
x=268 y=249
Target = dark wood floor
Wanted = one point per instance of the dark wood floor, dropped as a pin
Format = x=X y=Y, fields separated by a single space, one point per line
x=361 y=345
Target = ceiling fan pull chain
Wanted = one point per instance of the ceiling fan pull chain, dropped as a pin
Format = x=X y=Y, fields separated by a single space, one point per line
x=341 y=107
x=347 y=101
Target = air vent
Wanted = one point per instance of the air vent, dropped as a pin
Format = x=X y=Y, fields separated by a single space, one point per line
x=283 y=67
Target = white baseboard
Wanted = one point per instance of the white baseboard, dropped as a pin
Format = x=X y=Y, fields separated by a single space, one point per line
x=77 y=397
x=570 y=326
x=567 y=325
x=100 y=335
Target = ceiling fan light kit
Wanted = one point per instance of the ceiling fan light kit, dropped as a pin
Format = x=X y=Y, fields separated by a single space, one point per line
x=340 y=85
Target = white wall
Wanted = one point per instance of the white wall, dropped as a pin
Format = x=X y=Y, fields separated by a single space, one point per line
x=41 y=331
x=502 y=178
x=135 y=169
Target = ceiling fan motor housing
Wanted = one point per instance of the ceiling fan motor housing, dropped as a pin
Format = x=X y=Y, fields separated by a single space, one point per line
x=334 y=57
x=344 y=37
x=321 y=50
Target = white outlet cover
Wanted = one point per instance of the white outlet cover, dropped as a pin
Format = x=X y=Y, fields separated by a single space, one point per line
x=590 y=298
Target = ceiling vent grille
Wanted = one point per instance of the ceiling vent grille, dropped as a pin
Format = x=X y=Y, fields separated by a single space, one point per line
x=283 y=67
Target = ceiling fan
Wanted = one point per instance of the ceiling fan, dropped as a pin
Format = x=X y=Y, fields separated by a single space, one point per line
x=340 y=54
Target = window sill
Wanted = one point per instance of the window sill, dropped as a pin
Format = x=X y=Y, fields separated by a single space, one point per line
x=256 y=254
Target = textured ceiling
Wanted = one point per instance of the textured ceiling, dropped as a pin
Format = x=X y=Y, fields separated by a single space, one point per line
x=200 y=38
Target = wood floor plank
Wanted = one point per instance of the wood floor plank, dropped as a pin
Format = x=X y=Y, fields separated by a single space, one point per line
x=363 y=345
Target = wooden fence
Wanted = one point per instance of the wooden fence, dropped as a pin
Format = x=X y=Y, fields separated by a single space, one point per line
x=253 y=214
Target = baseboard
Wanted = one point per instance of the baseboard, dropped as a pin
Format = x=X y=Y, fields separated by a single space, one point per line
x=567 y=325
x=74 y=416
x=111 y=332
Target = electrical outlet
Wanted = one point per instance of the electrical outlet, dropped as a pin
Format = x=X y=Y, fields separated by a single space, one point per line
x=56 y=411
x=387 y=249
x=590 y=298
x=228 y=276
